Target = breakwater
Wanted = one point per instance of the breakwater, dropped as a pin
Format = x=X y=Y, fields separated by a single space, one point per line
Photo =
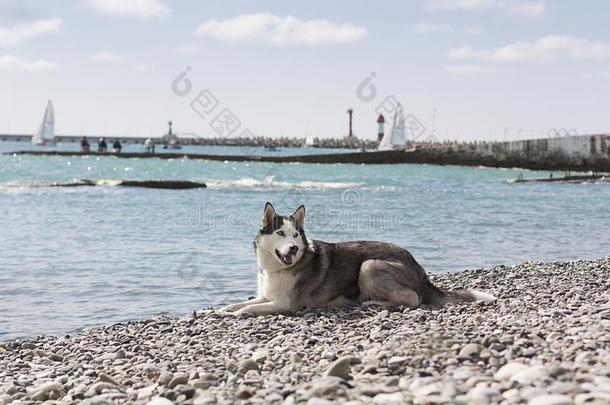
x=575 y=153
x=578 y=153
x=255 y=141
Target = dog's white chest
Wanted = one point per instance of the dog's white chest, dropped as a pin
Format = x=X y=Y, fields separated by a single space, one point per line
x=276 y=286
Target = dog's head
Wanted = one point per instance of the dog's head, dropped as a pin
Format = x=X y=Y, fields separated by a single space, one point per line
x=281 y=241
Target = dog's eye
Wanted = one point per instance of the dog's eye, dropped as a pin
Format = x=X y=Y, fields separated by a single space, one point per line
x=296 y=235
x=281 y=233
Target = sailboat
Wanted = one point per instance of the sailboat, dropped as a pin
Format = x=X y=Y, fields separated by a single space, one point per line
x=310 y=141
x=395 y=136
x=46 y=132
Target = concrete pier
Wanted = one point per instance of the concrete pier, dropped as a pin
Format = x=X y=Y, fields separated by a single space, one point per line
x=575 y=153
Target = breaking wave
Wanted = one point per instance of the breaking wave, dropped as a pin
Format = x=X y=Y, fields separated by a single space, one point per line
x=270 y=182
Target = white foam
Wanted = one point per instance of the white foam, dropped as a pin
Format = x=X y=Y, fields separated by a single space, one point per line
x=107 y=182
x=270 y=182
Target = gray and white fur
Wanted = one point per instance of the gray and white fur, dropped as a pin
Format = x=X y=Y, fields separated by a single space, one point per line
x=295 y=272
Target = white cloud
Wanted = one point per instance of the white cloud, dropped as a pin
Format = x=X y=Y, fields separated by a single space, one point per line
x=430 y=28
x=10 y=62
x=468 y=70
x=523 y=7
x=466 y=52
x=105 y=57
x=144 y=9
x=188 y=49
x=273 y=29
x=18 y=33
x=546 y=48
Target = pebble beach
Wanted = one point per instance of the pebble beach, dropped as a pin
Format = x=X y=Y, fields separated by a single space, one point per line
x=544 y=341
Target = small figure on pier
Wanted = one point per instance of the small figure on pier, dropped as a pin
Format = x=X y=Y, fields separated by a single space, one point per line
x=84 y=144
x=116 y=146
x=101 y=145
x=149 y=146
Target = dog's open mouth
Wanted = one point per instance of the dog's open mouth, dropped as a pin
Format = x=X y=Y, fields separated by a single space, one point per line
x=286 y=259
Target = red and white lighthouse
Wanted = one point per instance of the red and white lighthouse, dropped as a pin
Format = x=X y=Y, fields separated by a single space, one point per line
x=380 y=125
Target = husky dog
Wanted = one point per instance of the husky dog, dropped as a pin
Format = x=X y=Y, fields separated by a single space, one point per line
x=295 y=272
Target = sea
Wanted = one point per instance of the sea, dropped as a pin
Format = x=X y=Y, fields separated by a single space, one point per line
x=84 y=256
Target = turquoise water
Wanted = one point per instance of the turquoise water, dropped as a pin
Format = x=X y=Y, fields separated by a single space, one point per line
x=71 y=257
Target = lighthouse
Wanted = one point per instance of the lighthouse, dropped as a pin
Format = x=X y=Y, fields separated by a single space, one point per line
x=381 y=125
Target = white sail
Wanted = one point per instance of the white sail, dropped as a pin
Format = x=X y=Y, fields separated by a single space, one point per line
x=395 y=135
x=309 y=139
x=46 y=131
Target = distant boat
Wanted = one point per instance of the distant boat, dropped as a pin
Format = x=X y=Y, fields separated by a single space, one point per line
x=310 y=141
x=170 y=140
x=271 y=148
x=172 y=144
x=46 y=132
x=395 y=136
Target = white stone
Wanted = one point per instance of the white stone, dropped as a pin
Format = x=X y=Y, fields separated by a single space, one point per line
x=397 y=360
x=551 y=400
x=470 y=349
x=395 y=398
x=146 y=392
x=594 y=398
x=159 y=401
x=508 y=370
x=463 y=373
x=260 y=355
x=531 y=375
x=483 y=392
x=430 y=389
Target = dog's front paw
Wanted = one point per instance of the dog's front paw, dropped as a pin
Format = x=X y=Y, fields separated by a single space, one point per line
x=231 y=308
x=244 y=312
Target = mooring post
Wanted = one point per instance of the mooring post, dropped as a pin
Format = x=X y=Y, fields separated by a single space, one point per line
x=350 y=112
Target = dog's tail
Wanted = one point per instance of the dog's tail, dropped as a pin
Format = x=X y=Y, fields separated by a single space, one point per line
x=437 y=296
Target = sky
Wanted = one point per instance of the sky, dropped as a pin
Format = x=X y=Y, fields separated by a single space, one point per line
x=462 y=69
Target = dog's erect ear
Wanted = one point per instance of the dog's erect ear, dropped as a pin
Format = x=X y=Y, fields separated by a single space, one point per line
x=299 y=216
x=268 y=215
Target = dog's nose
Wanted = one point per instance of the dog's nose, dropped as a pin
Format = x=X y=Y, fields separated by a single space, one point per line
x=293 y=249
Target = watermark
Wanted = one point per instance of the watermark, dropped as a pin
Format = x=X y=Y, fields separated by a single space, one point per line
x=351 y=197
x=414 y=129
x=221 y=119
x=319 y=217
x=366 y=90
x=516 y=133
x=561 y=132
